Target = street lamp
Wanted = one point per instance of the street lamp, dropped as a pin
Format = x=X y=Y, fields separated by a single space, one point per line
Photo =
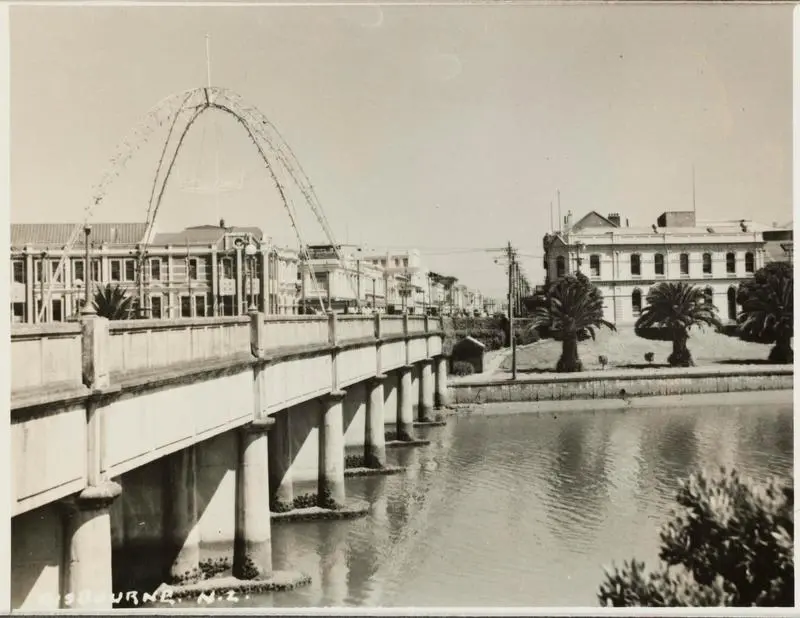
x=87 y=272
x=250 y=251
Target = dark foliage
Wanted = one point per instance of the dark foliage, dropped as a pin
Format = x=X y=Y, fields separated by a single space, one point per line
x=767 y=313
x=113 y=302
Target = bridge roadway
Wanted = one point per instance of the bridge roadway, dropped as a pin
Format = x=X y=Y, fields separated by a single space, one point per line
x=129 y=437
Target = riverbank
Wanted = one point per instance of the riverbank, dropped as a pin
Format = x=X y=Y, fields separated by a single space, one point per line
x=746 y=398
x=621 y=384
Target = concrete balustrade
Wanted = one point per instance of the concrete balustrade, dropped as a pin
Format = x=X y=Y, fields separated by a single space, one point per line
x=190 y=440
x=45 y=354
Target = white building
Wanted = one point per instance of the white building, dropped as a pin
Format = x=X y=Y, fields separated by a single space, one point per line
x=624 y=262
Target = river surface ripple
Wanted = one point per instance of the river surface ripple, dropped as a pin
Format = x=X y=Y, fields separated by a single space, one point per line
x=522 y=509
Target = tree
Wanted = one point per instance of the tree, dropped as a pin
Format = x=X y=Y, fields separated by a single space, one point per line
x=767 y=314
x=572 y=309
x=730 y=543
x=674 y=308
x=113 y=302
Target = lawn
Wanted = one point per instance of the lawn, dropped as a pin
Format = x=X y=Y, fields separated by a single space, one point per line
x=625 y=350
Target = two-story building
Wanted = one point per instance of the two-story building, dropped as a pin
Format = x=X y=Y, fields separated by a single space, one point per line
x=624 y=262
x=200 y=271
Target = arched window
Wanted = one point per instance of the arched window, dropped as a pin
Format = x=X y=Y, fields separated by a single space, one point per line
x=594 y=265
x=636 y=264
x=636 y=302
x=684 y=259
x=708 y=293
x=749 y=262
x=659 y=265
x=731 y=303
x=561 y=266
x=730 y=263
x=706 y=263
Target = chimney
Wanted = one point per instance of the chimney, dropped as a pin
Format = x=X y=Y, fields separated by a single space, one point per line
x=222 y=223
x=627 y=222
x=614 y=218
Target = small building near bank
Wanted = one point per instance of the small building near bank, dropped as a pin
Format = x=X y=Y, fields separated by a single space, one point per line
x=469 y=350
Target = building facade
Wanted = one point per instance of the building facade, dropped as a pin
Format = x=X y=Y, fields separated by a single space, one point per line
x=624 y=262
x=200 y=271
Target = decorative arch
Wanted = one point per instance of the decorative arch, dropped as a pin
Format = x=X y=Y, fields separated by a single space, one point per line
x=180 y=112
x=708 y=294
x=636 y=302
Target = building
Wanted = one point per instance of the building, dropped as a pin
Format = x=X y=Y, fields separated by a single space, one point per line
x=624 y=262
x=779 y=243
x=200 y=271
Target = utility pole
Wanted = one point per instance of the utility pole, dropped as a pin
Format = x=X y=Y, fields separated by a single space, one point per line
x=511 y=265
x=358 y=289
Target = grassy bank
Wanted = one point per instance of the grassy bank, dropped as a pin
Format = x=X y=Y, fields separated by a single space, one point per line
x=625 y=350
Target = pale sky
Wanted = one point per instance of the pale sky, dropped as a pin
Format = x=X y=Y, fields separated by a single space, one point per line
x=439 y=127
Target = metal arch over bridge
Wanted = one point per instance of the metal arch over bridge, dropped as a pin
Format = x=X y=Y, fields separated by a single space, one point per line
x=179 y=112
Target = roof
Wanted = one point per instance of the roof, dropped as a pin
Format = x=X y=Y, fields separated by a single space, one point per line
x=593 y=219
x=58 y=234
x=202 y=235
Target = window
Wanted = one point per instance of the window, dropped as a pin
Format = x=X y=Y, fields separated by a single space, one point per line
x=730 y=263
x=226 y=266
x=706 y=263
x=116 y=270
x=38 y=273
x=130 y=270
x=708 y=295
x=731 y=303
x=636 y=265
x=186 y=306
x=200 y=306
x=57 y=313
x=227 y=305
x=17 y=313
x=78 y=271
x=594 y=265
x=54 y=268
x=659 y=264
x=636 y=302
x=96 y=271
x=405 y=262
x=561 y=266
x=155 y=269
x=684 y=260
x=18 y=268
x=193 y=269
x=78 y=307
x=156 y=307
x=749 y=262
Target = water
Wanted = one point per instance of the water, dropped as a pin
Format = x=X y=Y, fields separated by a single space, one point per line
x=522 y=509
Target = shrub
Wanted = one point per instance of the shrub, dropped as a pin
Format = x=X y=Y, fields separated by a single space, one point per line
x=730 y=543
x=463 y=368
x=649 y=357
x=603 y=360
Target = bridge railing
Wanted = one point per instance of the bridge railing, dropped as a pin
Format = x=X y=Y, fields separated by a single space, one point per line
x=283 y=331
x=45 y=354
x=48 y=354
x=149 y=344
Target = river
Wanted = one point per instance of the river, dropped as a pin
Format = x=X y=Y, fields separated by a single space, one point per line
x=524 y=509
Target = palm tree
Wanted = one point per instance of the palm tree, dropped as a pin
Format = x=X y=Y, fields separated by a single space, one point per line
x=768 y=310
x=572 y=309
x=113 y=302
x=677 y=307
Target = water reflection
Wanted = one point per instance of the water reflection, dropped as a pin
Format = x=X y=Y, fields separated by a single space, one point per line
x=519 y=510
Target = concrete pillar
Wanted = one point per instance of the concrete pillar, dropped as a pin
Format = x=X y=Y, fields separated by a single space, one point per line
x=441 y=382
x=183 y=531
x=331 y=492
x=252 y=552
x=280 y=459
x=88 y=547
x=405 y=412
x=375 y=442
x=426 y=391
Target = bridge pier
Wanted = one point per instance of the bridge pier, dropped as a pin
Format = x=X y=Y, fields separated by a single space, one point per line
x=183 y=528
x=426 y=391
x=441 y=381
x=331 y=492
x=88 y=546
x=252 y=552
x=280 y=459
x=405 y=412
x=375 y=439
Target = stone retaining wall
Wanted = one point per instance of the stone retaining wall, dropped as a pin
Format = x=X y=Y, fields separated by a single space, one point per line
x=607 y=385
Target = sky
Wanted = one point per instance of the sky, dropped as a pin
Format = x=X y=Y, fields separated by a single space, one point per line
x=444 y=128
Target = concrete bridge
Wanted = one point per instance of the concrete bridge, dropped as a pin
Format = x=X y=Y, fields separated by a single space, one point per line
x=149 y=451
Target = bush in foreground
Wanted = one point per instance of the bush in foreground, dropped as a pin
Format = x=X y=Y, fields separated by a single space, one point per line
x=729 y=544
x=463 y=368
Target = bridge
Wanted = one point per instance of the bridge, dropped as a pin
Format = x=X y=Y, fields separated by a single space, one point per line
x=151 y=450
